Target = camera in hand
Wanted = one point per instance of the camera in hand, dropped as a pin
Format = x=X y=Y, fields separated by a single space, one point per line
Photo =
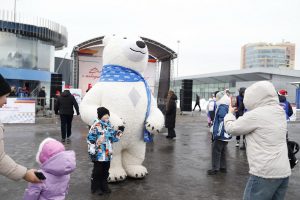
x=121 y=128
x=233 y=101
x=40 y=175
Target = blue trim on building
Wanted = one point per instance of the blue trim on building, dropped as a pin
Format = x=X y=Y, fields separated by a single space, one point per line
x=25 y=74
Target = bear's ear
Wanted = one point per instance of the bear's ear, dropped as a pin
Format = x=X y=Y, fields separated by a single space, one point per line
x=108 y=38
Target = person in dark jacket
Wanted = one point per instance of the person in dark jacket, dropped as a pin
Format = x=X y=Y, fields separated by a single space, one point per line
x=42 y=98
x=13 y=92
x=240 y=112
x=171 y=114
x=197 y=103
x=64 y=107
x=282 y=94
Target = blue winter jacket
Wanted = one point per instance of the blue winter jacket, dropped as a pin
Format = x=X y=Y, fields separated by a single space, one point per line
x=219 y=132
x=101 y=151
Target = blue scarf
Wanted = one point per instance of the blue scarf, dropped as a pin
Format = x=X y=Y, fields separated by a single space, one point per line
x=115 y=73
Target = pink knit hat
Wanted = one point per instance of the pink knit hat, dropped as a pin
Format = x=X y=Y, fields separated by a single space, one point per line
x=48 y=148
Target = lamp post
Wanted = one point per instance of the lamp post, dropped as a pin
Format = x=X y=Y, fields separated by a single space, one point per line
x=15 y=9
x=178 y=42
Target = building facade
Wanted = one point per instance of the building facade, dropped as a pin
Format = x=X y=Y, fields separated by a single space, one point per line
x=27 y=49
x=281 y=55
x=206 y=84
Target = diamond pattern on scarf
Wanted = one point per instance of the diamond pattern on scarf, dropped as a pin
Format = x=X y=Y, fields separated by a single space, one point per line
x=134 y=96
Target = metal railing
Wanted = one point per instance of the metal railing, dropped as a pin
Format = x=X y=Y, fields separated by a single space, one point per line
x=44 y=107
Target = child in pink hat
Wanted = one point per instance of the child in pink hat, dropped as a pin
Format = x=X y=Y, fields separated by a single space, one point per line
x=56 y=164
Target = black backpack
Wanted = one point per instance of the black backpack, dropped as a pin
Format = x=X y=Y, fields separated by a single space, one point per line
x=293 y=148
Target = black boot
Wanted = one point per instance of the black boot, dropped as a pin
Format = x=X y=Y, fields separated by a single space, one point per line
x=244 y=146
x=105 y=187
x=94 y=186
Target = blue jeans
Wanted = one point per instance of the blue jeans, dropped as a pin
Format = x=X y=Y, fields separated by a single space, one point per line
x=265 y=188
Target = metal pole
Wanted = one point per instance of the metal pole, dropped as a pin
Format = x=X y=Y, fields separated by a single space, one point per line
x=178 y=42
x=15 y=8
x=61 y=63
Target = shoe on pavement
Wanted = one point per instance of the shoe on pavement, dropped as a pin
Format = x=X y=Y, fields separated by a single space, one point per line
x=100 y=193
x=243 y=147
x=212 y=172
x=223 y=170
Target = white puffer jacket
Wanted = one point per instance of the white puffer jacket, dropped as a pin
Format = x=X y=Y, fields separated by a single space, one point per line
x=265 y=127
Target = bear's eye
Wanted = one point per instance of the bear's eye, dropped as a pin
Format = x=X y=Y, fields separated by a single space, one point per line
x=124 y=38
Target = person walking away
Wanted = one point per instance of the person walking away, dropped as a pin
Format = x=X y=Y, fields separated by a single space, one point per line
x=8 y=167
x=239 y=113
x=42 y=99
x=220 y=136
x=56 y=165
x=265 y=127
x=207 y=113
x=13 y=92
x=212 y=106
x=171 y=108
x=282 y=94
x=197 y=103
x=100 y=139
x=64 y=107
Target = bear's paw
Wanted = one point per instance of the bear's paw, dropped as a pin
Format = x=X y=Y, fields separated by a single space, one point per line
x=116 y=175
x=136 y=171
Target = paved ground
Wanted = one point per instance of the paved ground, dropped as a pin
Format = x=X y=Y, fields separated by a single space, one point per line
x=177 y=168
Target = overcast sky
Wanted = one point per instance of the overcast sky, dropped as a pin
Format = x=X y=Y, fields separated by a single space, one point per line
x=211 y=32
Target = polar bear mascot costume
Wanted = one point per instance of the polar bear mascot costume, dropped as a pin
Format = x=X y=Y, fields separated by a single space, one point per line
x=123 y=90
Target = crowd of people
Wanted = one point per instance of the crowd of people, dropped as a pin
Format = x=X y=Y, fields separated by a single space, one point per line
x=259 y=116
x=260 y=121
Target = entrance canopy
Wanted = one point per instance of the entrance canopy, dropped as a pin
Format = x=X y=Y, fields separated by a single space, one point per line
x=156 y=49
x=160 y=52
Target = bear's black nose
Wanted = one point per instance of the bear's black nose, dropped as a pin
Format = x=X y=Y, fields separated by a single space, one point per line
x=141 y=44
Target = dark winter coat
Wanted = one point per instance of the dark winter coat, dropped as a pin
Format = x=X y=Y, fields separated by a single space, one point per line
x=42 y=96
x=240 y=103
x=64 y=104
x=197 y=99
x=171 y=112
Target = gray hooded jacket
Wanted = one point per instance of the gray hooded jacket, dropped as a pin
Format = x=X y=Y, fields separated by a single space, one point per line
x=265 y=127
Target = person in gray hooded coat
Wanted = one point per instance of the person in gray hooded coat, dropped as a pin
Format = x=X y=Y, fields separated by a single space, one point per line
x=265 y=127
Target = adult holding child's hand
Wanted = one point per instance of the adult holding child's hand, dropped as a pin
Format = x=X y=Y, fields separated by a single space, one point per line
x=8 y=167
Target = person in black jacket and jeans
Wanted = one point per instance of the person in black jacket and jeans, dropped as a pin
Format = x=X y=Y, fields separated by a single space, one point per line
x=171 y=114
x=240 y=112
x=64 y=107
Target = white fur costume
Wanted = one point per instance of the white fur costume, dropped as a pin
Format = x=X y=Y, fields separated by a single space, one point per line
x=127 y=103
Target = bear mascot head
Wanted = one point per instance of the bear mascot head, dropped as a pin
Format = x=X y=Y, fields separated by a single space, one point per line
x=130 y=52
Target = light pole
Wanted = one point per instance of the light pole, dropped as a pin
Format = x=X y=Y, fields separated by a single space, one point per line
x=15 y=9
x=178 y=42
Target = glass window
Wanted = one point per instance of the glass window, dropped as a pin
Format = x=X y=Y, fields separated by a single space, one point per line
x=24 y=52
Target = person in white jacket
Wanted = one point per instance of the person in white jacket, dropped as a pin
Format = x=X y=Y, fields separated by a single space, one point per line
x=265 y=127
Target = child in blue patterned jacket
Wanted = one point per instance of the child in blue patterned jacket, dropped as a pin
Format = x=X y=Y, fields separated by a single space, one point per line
x=100 y=139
